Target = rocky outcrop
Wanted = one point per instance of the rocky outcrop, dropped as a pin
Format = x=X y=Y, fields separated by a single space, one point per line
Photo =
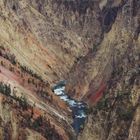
x=38 y=39
x=79 y=16
x=92 y=44
x=115 y=116
x=112 y=75
x=96 y=67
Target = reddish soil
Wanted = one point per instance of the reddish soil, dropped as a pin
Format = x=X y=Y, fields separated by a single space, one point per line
x=6 y=73
x=99 y=93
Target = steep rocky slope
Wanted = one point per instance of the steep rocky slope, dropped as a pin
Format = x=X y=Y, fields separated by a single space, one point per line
x=93 y=44
x=112 y=75
x=116 y=115
x=28 y=104
x=96 y=67
x=37 y=40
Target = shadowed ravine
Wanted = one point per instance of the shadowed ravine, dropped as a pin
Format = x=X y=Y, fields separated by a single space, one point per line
x=78 y=108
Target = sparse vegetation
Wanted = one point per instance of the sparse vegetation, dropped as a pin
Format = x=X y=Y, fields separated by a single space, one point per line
x=2 y=47
x=11 y=68
x=45 y=95
x=122 y=95
x=24 y=110
x=33 y=78
x=8 y=56
x=126 y=114
x=30 y=72
x=44 y=126
x=102 y=104
x=94 y=48
x=23 y=102
x=11 y=57
x=2 y=63
x=38 y=122
x=5 y=89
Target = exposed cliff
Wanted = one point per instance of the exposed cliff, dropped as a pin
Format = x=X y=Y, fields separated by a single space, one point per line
x=29 y=61
x=110 y=73
x=39 y=40
x=116 y=115
x=93 y=44
x=96 y=67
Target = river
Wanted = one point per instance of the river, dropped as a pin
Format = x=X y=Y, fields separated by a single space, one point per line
x=78 y=108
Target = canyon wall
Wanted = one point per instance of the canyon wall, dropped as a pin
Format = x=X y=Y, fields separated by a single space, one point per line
x=93 y=44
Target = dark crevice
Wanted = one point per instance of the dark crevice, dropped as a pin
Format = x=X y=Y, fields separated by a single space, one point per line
x=137 y=32
x=14 y=8
x=109 y=18
x=136 y=6
x=109 y=15
x=80 y=6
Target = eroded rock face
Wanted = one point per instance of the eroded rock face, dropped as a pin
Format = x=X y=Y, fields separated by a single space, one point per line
x=79 y=16
x=115 y=116
x=42 y=36
x=96 y=67
x=61 y=32
x=94 y=44
x=112 y=72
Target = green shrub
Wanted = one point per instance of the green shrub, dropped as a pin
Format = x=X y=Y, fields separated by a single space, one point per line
x=5 y=89
x=23 y=103
x=126 y=114
x=102 y=104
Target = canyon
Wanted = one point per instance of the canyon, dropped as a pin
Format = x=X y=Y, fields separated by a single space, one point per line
x=66 y=59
